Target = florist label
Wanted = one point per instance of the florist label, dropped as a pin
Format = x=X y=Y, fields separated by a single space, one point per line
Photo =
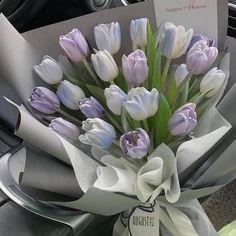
x=201 y=15
x=144 y=221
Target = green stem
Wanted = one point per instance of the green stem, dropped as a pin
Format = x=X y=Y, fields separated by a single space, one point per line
x=112 y=82
x=165 y=72
x=116 y=142
x=87 y=66
x=124 y=120
x=145 y=125
x=72 y=118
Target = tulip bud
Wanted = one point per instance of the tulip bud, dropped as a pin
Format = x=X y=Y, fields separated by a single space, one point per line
x=108 y=37
x=138 y=32
x=176 y=40
x=183 y=121
x=65 y=128
x=105 y=65
x=212 y=82
x=200 y=57
x=141 y=103
x=180 y=74
x=49 y=70
x=44 y=100
x=70 y=94
x=98 y=133
x=75 y=45
x=115 y=98
x=198 y=37
x=135 y=68
x=135 y=144
x=91 y=108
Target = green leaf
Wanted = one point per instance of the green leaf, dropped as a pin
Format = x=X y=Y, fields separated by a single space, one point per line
x=120 y=82
x=151 y=52
x=171 y=90
x=160 y=121
x=97 y=93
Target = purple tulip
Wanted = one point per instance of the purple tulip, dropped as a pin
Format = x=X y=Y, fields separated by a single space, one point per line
x=200 y=57
x=75 y=45
x=65 y=128
x=91 y=108
x=135 y=144
x=198 y=37
x=44 y=100
x=183 y=121
x=135 y=67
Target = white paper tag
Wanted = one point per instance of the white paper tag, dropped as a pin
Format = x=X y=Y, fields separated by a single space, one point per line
x=144 y=221
x=201 y=15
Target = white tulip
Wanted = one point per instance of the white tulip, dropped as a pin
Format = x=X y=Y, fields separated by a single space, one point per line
x=98 y=133
x=141 y=103
x=108 y=36
x=212 y=82
x=115 y=98
x=176 y=40
x=49 y=70
x=105 y=65
x=180 y=74
x=138 y=32
x=70 y=94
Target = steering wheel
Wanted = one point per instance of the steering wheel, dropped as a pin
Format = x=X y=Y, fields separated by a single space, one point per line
x=20 y=12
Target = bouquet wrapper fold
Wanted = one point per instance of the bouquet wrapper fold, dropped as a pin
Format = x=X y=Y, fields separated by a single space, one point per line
x=178 y=207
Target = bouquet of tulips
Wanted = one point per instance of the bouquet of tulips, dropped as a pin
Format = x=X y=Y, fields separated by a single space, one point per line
x=134 y=129
x=134 y=117
x=138 y=106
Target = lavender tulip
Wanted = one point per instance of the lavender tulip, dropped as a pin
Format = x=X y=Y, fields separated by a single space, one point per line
x=115 y=98
x=108 y=36
x=176 y=40
x=198 y=37
x=75 y=45
x=183 y=121
x=212 y=82
x=65 y=128
x=49 y=70
x=135 y=68
x=135 y=144
x=44 y=100
x=200 y=57
x=138 y=32
x=91 y=108
x=105 y=66
x=70 y=94
x=141 y=103
x=98 y=133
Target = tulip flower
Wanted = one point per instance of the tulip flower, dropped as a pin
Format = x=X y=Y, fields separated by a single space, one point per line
x=138 y=32
x=141 y=103
x=198 y=37
x=49 y=70
x=105 y=66
x=135 y=144
x=91 y=108
x=75 y=45
x=98 y=133
x=180 y=74
x=200 y=57
x=115 y=98
x=65 y=128
x=176 y=40
x=183 y=121
x=135 y=68
x=212 y=82
x=108 y=36
x=44 y=100
x=70 y=94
